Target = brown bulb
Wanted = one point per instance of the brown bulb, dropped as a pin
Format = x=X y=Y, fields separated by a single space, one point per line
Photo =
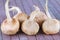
x=21 y=17
x=10 y=27
x=51 y=26
x=40 y=17
x=30 y=27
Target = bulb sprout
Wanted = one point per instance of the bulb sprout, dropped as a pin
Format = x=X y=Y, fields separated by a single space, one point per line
x=7 y=10
x=36 y=10
x=46 y=9
x=16 y=8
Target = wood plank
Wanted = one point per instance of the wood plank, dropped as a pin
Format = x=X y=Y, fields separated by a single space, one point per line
x=48 y=37
x=2 y=11
x=51 y=13
x=31 y=37
x=38 y=4
x=53 y=8
x=26 y=7
x=5 y=37
x=42 y=4
x=57 y=1
x=56 y=37
x=40 y=36
x=12 y=3
x=19 y=4
x=23 y=36
x=57 y=6
x=1 y=4
x=30 y=4
x=15 y=37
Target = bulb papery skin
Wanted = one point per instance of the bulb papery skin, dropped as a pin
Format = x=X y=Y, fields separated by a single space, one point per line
x=51 y=26
x=30 y=27
x=40 y=17
x=21 y=17
x=10 y=27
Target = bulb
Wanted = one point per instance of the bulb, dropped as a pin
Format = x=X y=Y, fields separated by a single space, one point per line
x=40 y=17
x=51 y=26
x=21 y=17
x=30 y=27
x=10 y=27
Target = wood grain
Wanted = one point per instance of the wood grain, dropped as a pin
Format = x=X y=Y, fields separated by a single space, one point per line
x=27 y=7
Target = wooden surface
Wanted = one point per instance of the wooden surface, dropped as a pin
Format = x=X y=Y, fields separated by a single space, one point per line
x=27 y=7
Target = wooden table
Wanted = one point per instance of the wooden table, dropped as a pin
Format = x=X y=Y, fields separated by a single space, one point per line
x=27 y=7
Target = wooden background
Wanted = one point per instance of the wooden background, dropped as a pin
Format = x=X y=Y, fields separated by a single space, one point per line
x=27 y=7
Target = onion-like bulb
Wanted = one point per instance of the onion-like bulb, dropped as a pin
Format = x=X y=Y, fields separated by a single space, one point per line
x=40 y=16
x=10 y=25
x=50 y=26
x=29 y=26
